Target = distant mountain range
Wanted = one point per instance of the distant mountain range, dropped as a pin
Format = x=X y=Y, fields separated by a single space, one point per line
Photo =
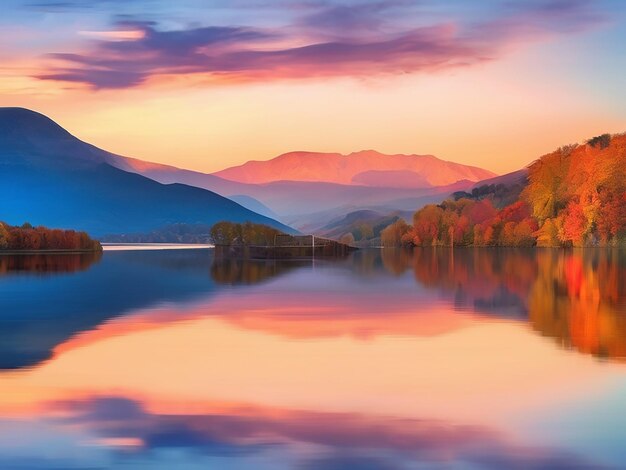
x=49 y=177
x=365 y=168
x=307 y=205
x=301 y=203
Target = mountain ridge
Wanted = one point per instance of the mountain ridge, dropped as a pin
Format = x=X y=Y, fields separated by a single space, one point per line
x=49 y=177
x=338 y=168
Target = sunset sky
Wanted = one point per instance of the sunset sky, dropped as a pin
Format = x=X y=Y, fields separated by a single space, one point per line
x=209 y=84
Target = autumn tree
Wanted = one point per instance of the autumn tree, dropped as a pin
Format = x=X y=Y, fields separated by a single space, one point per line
x=27 y=237
x=574 y=224
x=347 y=239
x=229 y=233
x=548 y=234
x=395 y=234
x=4 y=236
x=547 y=190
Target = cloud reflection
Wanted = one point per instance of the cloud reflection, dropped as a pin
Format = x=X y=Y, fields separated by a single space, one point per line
x=321 y=440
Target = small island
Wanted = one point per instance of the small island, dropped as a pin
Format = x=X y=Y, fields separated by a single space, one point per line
x=258 y=241
x=28 y=239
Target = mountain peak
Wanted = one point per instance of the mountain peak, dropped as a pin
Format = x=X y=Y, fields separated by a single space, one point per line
x=29 y=137
x=18 y=122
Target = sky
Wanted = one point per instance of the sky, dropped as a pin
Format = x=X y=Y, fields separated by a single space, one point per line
x=205 y=84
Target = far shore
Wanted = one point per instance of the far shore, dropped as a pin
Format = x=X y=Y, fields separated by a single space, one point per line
x=154 y=246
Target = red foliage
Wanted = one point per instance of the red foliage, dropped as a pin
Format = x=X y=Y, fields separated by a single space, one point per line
x=574 y=223
x=27 y=237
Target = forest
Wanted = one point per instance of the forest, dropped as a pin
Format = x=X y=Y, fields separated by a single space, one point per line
x=574 y=196
x=29 y=238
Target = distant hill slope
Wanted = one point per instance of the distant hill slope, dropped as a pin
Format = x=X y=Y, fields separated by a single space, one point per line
x=301 y=204
x=49 y=177
x=355 y=168
x=365 y=226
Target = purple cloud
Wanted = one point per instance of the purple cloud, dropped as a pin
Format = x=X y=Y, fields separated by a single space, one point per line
x=335 y=40
x=348 y=440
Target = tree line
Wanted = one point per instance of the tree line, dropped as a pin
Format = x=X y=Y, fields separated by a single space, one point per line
x=29 y=238
x=575 y=196
x=248 y=233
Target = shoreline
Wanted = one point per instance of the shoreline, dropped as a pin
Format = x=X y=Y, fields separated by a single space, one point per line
x=154 y=246
x=47 y=252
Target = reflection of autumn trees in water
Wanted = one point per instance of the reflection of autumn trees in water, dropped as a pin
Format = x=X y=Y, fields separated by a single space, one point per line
x=481 y=279
x=579 y=298
x=48 y=263
x=576 y=297
x=246 y=271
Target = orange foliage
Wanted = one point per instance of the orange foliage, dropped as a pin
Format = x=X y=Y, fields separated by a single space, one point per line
x=583 y=190
x=29 y=238
x=574 y=196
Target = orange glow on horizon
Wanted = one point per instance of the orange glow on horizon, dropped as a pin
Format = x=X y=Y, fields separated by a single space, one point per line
x=184 y=122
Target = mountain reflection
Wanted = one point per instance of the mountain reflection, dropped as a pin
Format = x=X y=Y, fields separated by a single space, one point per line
x=577 y=297
x=41 y=307
x=388 y=359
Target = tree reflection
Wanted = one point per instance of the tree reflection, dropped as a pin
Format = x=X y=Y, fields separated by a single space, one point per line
x=48 y=263
x=234 y=271
x=577 y=297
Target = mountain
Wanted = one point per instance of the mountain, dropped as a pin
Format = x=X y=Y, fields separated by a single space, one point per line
x=514 y=178
x=254 y=205
x=302 y=204
x=49 y=177
x=299 y=203
x=366 y=167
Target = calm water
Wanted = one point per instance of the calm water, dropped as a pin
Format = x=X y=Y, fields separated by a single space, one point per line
x=468 y=359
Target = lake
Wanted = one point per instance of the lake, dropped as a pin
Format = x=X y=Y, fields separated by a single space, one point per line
x=424 y=359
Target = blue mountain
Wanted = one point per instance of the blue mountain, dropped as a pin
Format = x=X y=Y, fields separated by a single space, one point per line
x=49 y=177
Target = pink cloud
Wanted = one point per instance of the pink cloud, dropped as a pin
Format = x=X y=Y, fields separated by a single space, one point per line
x=335 y=42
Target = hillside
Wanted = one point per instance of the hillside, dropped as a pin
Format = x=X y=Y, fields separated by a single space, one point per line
x=49 y=177
x=574 y=196
x=362 y=228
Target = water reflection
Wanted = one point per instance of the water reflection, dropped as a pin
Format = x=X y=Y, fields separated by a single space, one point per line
x=39 y=311
x=47 y=263
x=577 y=297
x=385 y=360
x=307 y=439
x=235 y=271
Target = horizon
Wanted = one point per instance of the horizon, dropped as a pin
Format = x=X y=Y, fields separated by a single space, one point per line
x=463 y=83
